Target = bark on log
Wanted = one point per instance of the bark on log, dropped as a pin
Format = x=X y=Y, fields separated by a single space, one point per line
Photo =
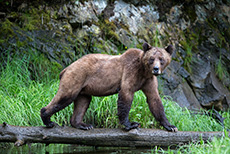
x=100 y=137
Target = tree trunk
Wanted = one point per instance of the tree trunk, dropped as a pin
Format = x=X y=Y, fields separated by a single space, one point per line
x=100 y=137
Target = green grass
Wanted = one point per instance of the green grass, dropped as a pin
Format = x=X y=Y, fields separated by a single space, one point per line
x=221 y=70
x=21 y=99
x=216 y=146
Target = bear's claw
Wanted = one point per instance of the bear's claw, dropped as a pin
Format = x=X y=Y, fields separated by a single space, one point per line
x=83 y=126
x=171 y=128
x=174 y=129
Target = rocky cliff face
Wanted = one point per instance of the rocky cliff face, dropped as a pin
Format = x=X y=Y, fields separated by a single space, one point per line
x=200 y=30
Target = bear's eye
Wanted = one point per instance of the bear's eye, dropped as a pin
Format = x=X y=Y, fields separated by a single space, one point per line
x=151 y=60
x=161 y=61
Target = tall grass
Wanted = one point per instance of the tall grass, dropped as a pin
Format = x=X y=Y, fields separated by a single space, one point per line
x=22 y=97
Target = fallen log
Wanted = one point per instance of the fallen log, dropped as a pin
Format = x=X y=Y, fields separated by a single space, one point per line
x=101 y=137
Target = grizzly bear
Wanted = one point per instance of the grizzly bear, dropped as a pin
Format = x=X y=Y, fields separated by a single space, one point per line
x=103 y=75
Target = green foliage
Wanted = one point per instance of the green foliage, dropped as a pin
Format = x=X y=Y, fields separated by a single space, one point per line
x=20 y=96
x=156 y=40
x=188 y=57
x=6 y=2
x=108 y=32
x=216 y=146
x=34 y=18
x=189 y=41
x=188 y=47
x=42 y=69
x=6 y=31
x=220 y=70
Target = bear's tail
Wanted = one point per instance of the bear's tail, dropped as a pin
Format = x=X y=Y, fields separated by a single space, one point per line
x=61 y=74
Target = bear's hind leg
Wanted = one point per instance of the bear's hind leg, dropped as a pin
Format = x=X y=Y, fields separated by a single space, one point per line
x=81 y=104
x=58 y=103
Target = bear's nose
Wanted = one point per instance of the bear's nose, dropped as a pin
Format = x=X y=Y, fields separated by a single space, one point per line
x=156 y=69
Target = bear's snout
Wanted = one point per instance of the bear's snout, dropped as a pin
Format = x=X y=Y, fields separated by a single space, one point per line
x=156 y=70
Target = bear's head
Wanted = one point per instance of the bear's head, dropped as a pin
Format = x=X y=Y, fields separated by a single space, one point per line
x=156 y=59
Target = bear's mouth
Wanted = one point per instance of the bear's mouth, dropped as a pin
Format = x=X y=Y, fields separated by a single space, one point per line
x=156 y=72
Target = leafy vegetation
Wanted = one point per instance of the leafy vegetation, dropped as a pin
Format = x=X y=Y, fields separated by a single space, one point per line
x=216 y=146
x=156 y=39
x=23 y=95
x=221 y=71
x=188 y=47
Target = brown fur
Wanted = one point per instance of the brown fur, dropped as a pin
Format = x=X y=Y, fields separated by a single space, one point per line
x=102 y=75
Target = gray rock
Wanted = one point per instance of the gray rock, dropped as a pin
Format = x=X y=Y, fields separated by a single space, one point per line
x=109 y=47
x=99 y=6
x=95 y=30
x=126 y=38
x=177 y=87
x=208 y=89
x=185 y=97
x=81 y=13
x=200 y=69
x=201 y=13
x=172 y=80
x=175 y=14
x=218 y=94
x=133 y=17
x=183 y=73
x=210 y=5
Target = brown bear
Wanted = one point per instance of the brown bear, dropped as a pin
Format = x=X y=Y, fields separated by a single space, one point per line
x=103 y=75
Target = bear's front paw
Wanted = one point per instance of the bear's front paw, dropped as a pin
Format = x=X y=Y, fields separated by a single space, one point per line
x=171 y=128
x=132 y=125
x=83 y=126
x=51 y=124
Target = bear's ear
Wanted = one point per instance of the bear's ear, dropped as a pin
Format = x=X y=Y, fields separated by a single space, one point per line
x=170 y=49
x=146 y=47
